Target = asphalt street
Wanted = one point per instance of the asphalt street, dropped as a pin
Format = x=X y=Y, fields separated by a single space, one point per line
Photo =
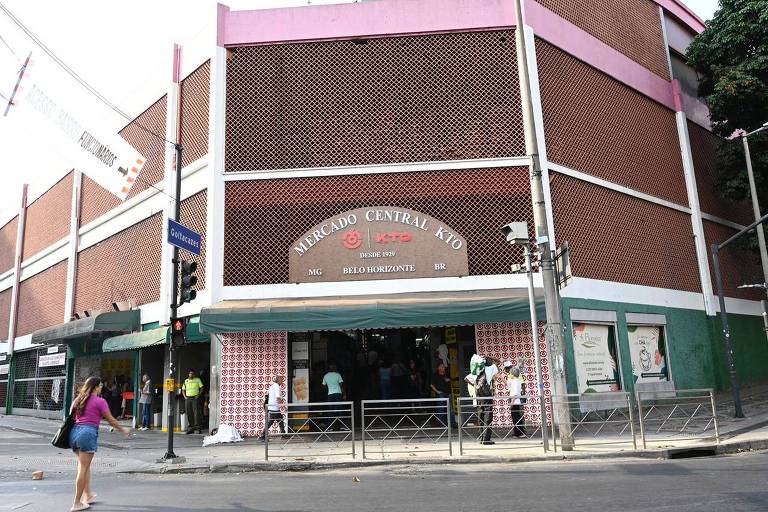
x=733 y=483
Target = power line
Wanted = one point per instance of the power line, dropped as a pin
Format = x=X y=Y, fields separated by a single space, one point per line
x=9 y=48
x=74 y=74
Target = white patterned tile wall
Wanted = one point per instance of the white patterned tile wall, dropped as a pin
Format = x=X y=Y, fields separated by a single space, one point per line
x=511 y=341
x=249 y=361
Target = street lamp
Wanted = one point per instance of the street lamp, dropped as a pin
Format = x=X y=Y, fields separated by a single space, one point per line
x=516 y=233
x=756 y=209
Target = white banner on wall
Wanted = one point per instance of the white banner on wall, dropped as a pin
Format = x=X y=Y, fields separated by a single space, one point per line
x=53 y=360
x=647 y=351
x=103 y=156
x=596 y=368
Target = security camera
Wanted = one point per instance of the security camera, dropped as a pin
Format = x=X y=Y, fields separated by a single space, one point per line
x=516 y=233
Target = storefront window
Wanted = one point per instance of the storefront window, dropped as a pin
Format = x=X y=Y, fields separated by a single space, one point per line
x=648 y=351
x=596 y=357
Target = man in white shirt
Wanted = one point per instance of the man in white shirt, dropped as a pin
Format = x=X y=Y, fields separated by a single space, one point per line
x=515 y=392
x=273 y=407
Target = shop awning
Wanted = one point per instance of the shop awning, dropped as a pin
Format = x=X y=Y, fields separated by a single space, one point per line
x=136 y=340
x=367 y=311
x=151 y=337
x=101 y=325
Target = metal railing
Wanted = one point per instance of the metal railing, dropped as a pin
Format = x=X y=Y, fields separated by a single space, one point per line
x=597 y=418
x=406 y=425
x=476 y=424
x=313 y=430
x=684 y=414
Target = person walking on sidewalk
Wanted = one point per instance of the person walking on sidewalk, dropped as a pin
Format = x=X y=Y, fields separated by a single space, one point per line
x=273 y=401
x=89 y=408
x=145 y=402
x=192 y=389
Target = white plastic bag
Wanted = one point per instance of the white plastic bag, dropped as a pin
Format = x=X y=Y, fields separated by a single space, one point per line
x=225 y=434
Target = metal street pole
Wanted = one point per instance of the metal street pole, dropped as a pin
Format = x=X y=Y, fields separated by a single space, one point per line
x=756 y=209
x=551 y=295
x=536 y=348
x=739 y=413
x=716 y=248
x=169 y=454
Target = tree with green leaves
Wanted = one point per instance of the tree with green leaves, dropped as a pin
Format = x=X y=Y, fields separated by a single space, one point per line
x=731 y=59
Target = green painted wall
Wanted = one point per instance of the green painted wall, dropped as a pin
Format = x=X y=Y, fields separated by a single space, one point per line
x=694 y=341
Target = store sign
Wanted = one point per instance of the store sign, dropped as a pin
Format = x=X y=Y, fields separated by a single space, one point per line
x=53 y=360
x=596 y=368
x=4 y=368
x=647 y=350
x=379 y=242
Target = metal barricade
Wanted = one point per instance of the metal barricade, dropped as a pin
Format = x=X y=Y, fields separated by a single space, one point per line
x=476 y=421
x=680 y=415
x=597 y=418
x=313 y=430
x=406 y=425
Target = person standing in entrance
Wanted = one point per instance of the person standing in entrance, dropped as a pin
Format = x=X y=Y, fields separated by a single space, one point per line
x=485 y=389
x=273 y=401
x=193 y=393
x=145 y=402
x=441 y=388
x=89 y=408
x=515 y=393
x=333 y=382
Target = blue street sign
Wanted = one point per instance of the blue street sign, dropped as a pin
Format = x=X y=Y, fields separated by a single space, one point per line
x=183 y=237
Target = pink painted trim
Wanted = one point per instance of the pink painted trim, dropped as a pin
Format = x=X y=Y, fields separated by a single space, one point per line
x=176 y=78
x=222 y=18
x=587 y=48
x=364 y=19
x=680 y=11
x=677 y=95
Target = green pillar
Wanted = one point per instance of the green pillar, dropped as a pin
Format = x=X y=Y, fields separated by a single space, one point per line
x=136 y=384
x=11 y=373
x=69 y=383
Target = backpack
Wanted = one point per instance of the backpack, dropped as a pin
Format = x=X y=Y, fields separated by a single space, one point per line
x=482 y=386
x=476 y=364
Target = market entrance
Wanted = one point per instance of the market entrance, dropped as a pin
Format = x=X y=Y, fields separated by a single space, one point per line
x=379 y=364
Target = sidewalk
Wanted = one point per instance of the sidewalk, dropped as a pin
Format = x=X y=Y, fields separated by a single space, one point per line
x=139 y=454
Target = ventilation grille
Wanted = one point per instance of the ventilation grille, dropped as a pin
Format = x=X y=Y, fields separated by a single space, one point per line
x=404 y=99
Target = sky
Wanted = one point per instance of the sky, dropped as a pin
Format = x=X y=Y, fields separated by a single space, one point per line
x=124 y=50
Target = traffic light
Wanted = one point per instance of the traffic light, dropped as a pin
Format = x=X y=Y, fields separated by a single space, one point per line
x=178 y=332
x=188 y=281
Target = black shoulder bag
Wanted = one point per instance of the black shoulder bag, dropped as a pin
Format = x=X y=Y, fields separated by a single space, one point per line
x=61 y=437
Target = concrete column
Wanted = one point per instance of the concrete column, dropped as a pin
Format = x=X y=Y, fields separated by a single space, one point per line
x=693 y=202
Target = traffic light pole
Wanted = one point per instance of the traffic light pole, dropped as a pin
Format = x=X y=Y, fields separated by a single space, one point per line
x=169 y=454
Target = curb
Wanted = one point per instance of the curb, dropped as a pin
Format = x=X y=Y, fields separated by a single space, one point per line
x=299 y=466
x=296 y=466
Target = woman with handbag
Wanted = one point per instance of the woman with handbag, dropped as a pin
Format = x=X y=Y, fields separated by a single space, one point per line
x=88 y=409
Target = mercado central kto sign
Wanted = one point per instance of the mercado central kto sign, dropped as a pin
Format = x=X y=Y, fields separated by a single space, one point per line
x=378 y=242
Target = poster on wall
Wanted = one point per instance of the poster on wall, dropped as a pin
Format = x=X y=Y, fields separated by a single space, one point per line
x=648 y=353
x=300 y=363
x=595 y=358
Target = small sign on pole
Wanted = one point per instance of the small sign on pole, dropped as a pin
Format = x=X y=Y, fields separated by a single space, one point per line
x=183 y=237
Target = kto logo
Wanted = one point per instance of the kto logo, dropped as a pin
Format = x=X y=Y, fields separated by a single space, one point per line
x=385 y=238
x=352 y=239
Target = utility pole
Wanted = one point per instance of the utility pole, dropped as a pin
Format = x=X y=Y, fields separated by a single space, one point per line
x=536 y=348
x=760 y=230
x=169 y=454
x=551 y=295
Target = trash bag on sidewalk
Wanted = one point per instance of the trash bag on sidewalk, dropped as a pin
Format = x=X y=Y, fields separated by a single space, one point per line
x=225 y=434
